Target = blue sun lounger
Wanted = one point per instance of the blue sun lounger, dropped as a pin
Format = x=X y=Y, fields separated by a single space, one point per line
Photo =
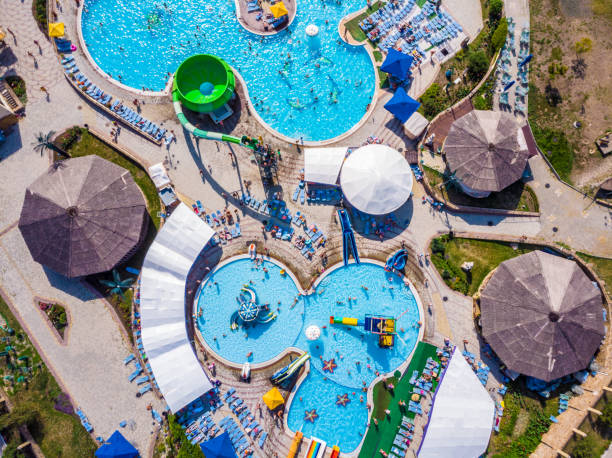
x=128 y=359
x=145 y=388
x=262 y=439
x=134 y=374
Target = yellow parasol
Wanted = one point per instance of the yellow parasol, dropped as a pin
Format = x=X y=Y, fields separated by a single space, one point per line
x=273 y=398
x=56 y=29
x=279 y=10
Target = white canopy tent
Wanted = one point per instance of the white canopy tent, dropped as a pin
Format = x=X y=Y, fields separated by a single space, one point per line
x=159 y=175
x=376 y=179
x=322 y=165
x=462 y=416
x=416 y=124
x=162 y=307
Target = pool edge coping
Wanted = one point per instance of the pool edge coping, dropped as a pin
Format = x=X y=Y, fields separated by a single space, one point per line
x=292 y=349
x=251 y=108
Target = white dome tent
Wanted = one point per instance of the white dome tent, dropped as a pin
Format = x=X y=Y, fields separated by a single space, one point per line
x=376 y=179
x=462 y=415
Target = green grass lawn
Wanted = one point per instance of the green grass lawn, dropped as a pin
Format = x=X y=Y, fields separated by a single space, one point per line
x=602 y=267
x=448 y=254
x=526 y=418
x=383 y=435
x=518 y=196
x=58 y=434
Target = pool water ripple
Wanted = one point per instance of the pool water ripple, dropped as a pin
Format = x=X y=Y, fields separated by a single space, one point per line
x=315 y=88
x=352 y=291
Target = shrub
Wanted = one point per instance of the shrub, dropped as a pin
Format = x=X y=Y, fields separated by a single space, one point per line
x=477 y=65
x=39 y=9
x=431 y=100
x=446 y=274
x=437 y=246
x=499 y=36
x=553 y=96
x=583 y=45
x=606 y=415
x=585 y=448
x=556 y=53
x=18 y=86
x=495 y=11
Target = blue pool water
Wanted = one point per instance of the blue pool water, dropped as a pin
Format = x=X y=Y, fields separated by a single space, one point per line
x=356 y=353
x=298 y=88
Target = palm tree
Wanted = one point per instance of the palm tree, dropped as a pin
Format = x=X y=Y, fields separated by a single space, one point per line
x=44 y=141
x=117 y=285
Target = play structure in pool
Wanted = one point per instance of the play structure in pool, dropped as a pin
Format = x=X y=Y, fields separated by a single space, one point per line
x=380 y=328
x=249 y=311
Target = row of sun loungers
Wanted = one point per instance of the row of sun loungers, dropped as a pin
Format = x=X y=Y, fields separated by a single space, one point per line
x=84 y=420
x=126 y=114
x=246 y=419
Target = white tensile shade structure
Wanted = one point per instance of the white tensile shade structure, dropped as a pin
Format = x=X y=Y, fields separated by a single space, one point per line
x=376 y=179
x=313 y=332
x=462 y=415
x=322 y=165
x=162 y=307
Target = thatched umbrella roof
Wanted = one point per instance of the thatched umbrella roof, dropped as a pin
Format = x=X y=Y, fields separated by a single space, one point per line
x=542 y=315
x=486 y=150
x=84 y=216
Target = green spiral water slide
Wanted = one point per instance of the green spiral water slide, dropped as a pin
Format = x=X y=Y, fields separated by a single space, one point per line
x=204 y=83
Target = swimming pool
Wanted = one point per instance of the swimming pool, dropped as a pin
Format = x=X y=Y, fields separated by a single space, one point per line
x=356 y=353
x=299 y=88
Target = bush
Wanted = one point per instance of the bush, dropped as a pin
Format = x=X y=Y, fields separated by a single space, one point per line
x=478 y=65
x=431 y=100
x=480 y=103
x=585 y=448
x=446 y=274
x=437 y=246
x=606 y=415
x=553 y=96
x=499 y=36
x=18 y=86
x=583 y=45
x=39 y=9
x=495 y=11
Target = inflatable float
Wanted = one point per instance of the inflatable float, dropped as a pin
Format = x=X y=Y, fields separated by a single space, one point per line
x=316 y=449
x=246 y=371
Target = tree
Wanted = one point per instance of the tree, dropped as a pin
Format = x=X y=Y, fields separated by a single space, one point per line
x=437 y=246
x=478 y=65
x=44 y=141
x=499 y=36
x=495 y=11
x=117 y=285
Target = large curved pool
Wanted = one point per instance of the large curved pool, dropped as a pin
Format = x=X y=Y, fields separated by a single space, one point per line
x=315 y=89
x=356 y=353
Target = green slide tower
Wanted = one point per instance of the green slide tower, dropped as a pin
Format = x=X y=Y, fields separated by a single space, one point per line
x=204 y=84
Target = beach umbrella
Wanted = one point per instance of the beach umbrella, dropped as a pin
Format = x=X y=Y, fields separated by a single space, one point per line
x=273 y=398
x=376 y=179
x=509 y=85
x=56 y=29
x=313 y=332
x=542 y=315
x=526 y=60
x=83 y=216
x=278 y=10
x=401 y=105
x=397 y=63
x=117 y=446
x=486 y=150
x=218 y=447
